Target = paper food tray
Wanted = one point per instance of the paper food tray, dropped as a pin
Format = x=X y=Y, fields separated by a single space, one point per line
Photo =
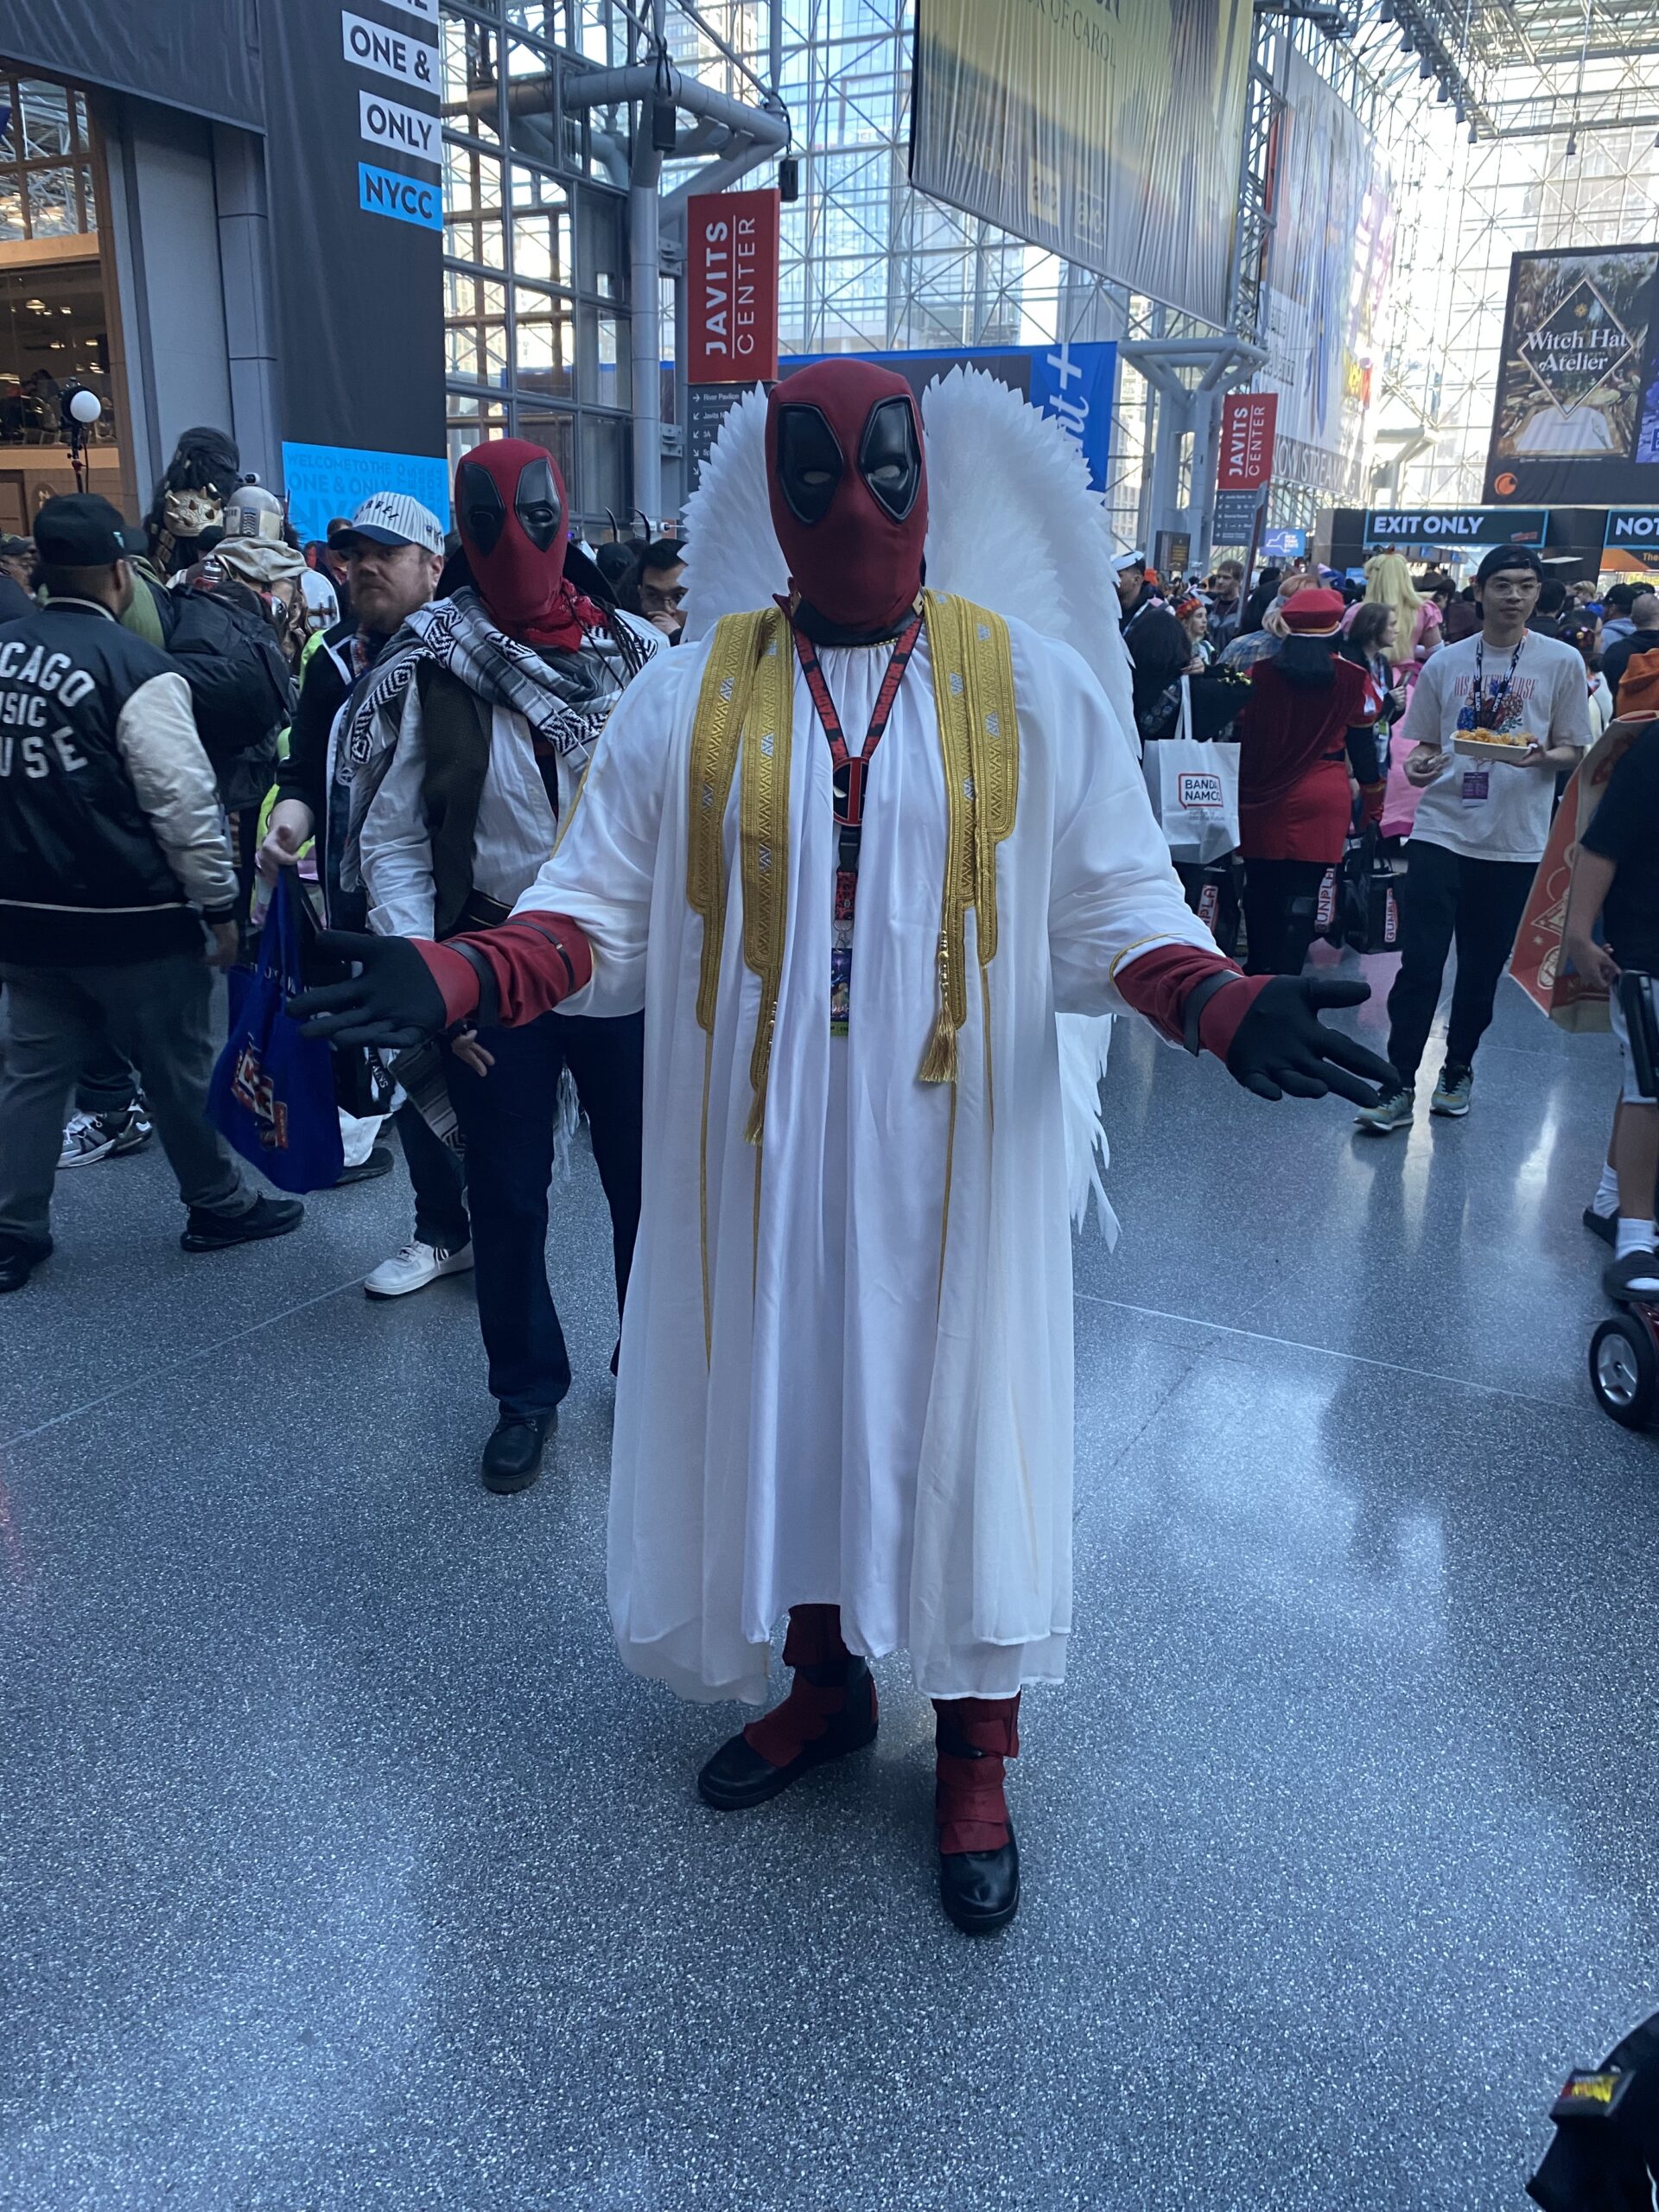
x=1476 y=749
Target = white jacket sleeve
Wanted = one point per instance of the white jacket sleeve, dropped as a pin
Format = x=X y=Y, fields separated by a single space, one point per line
x=174 y=784
x=395 y=850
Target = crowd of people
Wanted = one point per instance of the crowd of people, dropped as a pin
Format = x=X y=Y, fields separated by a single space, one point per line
x=1360 y=688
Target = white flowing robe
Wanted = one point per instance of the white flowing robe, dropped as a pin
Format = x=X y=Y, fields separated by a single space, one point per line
x=883 y=1418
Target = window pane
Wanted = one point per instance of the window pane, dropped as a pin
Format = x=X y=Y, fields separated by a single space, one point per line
x=544 y=343
x=604 y=364
x=600 y=243
x=557 y=434
x=471 y=76
x=51 y=210
x=46 y=119
x=470 y=423
x=604 y=465
x=541 y=248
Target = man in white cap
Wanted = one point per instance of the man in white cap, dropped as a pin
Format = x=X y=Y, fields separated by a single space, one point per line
x=393 y=551
x=1135 y=594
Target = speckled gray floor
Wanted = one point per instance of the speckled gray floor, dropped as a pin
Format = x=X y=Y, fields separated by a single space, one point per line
x=344 y=1869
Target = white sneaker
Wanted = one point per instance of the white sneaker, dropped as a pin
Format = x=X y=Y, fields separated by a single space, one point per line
x=416 y=1266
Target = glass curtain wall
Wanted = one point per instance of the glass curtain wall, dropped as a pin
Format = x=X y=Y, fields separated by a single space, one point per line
x=535 y=245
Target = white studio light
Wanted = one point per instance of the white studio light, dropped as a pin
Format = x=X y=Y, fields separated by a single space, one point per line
x=85 y=406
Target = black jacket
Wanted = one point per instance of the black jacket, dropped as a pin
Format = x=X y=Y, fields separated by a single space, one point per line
x=240 y=687
x=110 y=826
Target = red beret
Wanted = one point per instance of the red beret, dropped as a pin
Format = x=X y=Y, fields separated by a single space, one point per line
x=1314 y=614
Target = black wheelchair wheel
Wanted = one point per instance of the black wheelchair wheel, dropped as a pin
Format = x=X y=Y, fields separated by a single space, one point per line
x=1624 y=1370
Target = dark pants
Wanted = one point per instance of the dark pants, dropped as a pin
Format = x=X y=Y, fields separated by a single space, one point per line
x=155 y=1013
x=107 y=1083
x=437 y=1175
x=1446 y=898
x=1281 y=900
x=507 y=1120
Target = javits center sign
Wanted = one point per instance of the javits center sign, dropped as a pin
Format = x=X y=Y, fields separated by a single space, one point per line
x=1576 y=418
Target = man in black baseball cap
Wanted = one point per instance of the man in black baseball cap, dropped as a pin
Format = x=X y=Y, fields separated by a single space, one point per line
x=113 y=855
x=81 y=529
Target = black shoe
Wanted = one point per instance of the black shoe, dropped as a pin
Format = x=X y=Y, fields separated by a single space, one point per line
x=18 y=1261
x=206 y=1231
x=512 y=1458
x=737 y=1776
x=1636 y=1276
x=1605 y=1225
x=979 y=1890
x=378 y=1163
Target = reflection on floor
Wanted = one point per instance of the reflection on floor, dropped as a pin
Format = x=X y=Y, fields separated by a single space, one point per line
x=344 y=1869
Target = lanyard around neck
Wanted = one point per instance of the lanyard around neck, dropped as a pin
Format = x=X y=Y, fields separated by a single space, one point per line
x=850 y=772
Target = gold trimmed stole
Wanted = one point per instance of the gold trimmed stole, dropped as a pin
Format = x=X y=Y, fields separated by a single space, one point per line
x=743 y=727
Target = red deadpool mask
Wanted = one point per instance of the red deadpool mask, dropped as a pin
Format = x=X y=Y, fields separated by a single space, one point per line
x=510 y=511
x=848 y=489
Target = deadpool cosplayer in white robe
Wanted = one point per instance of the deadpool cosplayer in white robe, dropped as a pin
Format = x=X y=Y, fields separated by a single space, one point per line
x=881 y=1416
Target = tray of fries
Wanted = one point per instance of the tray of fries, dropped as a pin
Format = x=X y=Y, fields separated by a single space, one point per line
x=1490 y=744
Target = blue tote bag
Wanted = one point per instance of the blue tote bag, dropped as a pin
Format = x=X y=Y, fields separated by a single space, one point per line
x=272 y=1095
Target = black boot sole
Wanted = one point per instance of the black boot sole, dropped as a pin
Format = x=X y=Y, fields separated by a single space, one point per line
x=193 y=1240
x=725 y=1799
x=508 y=1482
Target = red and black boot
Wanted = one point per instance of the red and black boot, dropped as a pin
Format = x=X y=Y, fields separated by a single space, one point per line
x=830 y=1710
x=979 y=1860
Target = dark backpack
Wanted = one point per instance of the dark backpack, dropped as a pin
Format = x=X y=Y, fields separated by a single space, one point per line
x=240 y=686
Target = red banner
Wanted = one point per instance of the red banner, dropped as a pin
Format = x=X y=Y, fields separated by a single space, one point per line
x=732 y=288
x=1248 y=422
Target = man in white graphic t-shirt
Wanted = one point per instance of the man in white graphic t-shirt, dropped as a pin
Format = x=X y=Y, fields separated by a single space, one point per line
x=1482 y=824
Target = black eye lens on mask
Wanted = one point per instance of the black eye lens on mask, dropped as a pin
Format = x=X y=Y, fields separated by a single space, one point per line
x=809 y=462
x=536 y=503
x=890 y=459
x=479 y=498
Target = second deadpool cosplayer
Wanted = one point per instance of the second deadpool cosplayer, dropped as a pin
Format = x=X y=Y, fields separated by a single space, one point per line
x=465 y=751
x=857 y=849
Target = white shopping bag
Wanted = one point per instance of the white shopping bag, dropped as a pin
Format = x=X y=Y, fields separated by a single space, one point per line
x=1193 y=787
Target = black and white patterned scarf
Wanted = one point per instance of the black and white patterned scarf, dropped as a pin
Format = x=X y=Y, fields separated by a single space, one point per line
x=565 y=699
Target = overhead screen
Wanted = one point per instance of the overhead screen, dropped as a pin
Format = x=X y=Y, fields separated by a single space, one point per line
x=1107 y=132
x=1576 y=417
x=1327 y=273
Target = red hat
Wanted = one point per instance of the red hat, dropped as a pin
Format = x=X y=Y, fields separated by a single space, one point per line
x=1314 y=614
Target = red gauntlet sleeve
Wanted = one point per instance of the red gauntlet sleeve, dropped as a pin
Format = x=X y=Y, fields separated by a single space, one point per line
x=502 y=977
x=1159 y=984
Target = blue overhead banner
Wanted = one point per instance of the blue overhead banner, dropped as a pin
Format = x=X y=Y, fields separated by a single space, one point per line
x=1075 y=383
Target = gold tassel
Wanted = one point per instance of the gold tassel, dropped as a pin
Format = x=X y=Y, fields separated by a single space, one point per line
x=768 y=731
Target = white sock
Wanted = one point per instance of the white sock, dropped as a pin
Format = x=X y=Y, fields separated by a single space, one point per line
x=1607 y=1198
x=1633 y=1237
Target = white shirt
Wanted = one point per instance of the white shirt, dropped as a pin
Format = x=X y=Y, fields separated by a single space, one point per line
x=515 y=831
x=1490 y=810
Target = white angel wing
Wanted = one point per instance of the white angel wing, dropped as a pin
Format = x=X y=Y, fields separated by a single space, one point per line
x=1014 y=526
x=733 y=563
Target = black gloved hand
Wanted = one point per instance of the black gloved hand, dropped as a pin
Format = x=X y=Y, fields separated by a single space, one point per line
x=1282 y=1046
x=392 y=999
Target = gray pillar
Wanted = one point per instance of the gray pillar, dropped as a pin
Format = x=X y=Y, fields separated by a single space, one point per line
x=644 y=311
x=249 y=329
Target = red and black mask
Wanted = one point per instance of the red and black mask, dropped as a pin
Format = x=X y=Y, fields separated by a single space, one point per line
x=510 y=511
x=849 y=488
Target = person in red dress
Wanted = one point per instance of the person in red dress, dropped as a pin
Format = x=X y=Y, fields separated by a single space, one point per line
x=1294 y=796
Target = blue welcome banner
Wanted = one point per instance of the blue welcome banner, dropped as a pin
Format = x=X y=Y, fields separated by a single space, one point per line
x=327 y=481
